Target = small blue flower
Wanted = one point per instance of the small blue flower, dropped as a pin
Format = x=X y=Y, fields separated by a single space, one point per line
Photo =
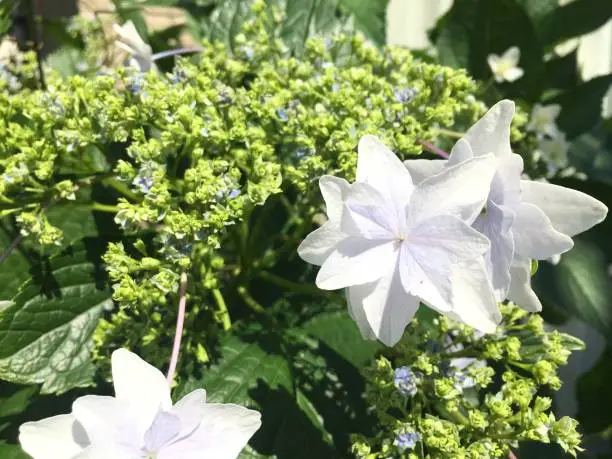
x=407 y=440
x=282 y=114
x=404 y=94
x=405 y=381
x=144 y=184
x=136 y=84
x=178 y=76
x=233 y=194
x=248 y=52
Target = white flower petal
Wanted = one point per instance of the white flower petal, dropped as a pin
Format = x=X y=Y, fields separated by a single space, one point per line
x=493 y=61
x=356 y=261
x=386 y=306
x=473 y=299
x=370 y=215
x=462 y=151
x=58 y=437
x=334 y=191
x=506 y=185
x=496 y=224
x=382 y=169
x=140 y=384
x=356 y=311
x=491 y=133
x=108 y=450
x=420 y=169
x=429 y=253
x=534 y=235
x=513 y=74
x=520 y=291
x=190 y=410
x=110 y=420
x=166 y=427
x=570 y=211
x=224 y=431
x=459 y=190
x=319 y=244
x=512 y=55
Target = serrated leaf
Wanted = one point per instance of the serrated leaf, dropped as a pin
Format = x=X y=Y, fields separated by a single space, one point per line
x=309 y=392
x=370 y=17
x=226 y=20
x=582 y=105
x=45 y=335
x=577 y=18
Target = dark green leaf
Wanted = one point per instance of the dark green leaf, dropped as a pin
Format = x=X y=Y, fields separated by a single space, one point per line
x=304 y=381
x=577 y=18
x=305 y=17
x=579 y=285
x=12 y=452
x=538 y=9
x=19 y=262
x=370 y=17
x=594 y=395
x=562 y=72
x=45 y=334
x=473 y=29
x=226 y=20
x=17 y=402
x=340 y=333
x=581 y=105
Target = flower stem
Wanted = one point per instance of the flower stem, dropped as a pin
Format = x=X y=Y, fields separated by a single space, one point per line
x=121 y=188
x=249 y=300
x=104 y=207
x=431 y=147
x=10 y=248
x=175 y=52
x=449 y=133
x=180 y=323
x=222 y=309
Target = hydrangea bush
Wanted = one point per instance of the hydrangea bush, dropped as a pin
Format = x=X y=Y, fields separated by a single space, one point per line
x=153 y=210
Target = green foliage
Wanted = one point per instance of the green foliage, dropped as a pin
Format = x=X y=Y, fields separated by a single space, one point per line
x=459 y=394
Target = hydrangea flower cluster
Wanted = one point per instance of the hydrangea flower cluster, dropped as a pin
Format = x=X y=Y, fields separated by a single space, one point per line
x=182 y=162
x=457 y=235
x=445 y=417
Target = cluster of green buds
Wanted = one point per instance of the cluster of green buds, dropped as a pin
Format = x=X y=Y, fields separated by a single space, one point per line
x=447 y=391
x=181 y=162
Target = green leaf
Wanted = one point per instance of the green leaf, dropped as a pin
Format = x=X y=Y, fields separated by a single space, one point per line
x=579 y=285
x=473 y=29
x=370 y=17
x=19 y=262
x=594 y=395
x=226 y=20
x=563 y=72
x=304 y=381
x=17 y=402
x=45 y=334
x=581 y=105
x=577 y=18
x=306 y=17
x=12 y=452
x=538 y=9
x=338 y=331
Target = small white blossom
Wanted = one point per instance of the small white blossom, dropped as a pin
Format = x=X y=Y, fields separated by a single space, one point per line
x=505 y=67
x=141 y=422
x=129 y=40
x=393 y=244
x=543 y=120
x=523 y=219
x=554 y=152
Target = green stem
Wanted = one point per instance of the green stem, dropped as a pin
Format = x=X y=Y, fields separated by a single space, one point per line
x=104 y=207
x=462 y=353
x=222 y=309
x=249 y=300
x=121 y=188
x=449 y=133
x=295 y=287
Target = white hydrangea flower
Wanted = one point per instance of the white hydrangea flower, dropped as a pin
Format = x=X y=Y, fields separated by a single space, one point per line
x=141 y=422
x=554 y=151
x=505 y=67
x=393 y=244
x=543 y=120
x=130 y=41
x=523 y=219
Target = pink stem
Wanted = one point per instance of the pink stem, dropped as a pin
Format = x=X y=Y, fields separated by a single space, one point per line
x=180 y=323
x=511 y=455
x=431 y=147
